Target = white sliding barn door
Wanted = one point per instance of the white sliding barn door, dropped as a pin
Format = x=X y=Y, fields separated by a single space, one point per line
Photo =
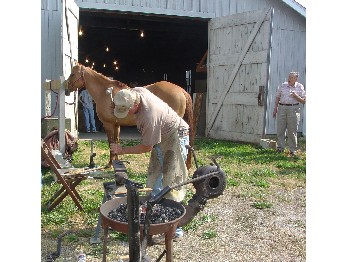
x=238 y=68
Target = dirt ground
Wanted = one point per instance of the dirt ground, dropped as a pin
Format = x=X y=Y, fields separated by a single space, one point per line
x=243 y=233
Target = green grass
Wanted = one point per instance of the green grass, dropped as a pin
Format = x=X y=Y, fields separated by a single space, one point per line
x=251 y=171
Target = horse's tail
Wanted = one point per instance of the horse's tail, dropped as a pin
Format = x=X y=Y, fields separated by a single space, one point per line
x=188 y=117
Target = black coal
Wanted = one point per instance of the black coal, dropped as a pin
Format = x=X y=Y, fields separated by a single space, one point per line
x=159 y=213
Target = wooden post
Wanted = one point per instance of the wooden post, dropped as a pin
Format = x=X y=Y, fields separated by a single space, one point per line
x=62 y=117
x=197 y=110
x=59 y=86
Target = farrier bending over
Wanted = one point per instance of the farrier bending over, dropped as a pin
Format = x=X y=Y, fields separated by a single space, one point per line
x=163 y=132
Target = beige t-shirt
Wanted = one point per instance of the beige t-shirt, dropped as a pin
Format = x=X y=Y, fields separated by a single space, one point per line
x=155 y=119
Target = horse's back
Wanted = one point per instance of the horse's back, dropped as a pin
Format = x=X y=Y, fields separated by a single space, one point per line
x=171 y=94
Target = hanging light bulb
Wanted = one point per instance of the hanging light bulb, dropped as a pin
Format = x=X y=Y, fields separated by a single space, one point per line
x=86 y=60
x=107 y=49
x=116 y=68
x=104 y=65
x=115 y=62
x=80 y=31
x=142 y=33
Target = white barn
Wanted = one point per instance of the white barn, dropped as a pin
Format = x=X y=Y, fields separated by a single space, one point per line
x=252 y=46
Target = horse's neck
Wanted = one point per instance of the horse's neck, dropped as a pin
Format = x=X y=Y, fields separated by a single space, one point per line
x=98 y=84
x=119 y=84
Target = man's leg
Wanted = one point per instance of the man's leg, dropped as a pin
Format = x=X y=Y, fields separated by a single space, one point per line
x=92 y=119
x=86 y=119
x=281 y=127
x=293 y=119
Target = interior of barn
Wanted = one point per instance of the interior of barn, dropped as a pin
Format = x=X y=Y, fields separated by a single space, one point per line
x=139 y=49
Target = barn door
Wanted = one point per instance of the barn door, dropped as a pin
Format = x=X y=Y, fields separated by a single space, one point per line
x=70 y=28
x=238 y=68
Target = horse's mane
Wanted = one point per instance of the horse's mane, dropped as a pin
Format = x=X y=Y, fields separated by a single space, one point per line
x=116 y=82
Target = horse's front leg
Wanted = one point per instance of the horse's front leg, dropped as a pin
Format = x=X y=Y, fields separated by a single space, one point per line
x=112 y=132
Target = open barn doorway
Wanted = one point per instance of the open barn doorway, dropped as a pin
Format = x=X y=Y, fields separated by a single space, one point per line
x=139 y=49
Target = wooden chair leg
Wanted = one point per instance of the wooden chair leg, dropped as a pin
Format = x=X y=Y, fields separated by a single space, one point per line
x=58 y=200
x=73 y=185
x=58 y=192
x=67 y=190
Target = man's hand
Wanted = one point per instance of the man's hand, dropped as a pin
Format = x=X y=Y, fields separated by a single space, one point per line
x=274 y=113
x=116 y=149
x=293 y=94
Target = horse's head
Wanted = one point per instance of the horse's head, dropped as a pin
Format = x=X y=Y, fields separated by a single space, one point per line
x=76 y=79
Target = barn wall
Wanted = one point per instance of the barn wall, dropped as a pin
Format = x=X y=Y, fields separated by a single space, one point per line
x=288 y=47
x=51 y=53
x=288 y=54
x=188 y=8
x=288 y=36
x=56 y=56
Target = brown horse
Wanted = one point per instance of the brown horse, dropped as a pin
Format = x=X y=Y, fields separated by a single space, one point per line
x=98 y=86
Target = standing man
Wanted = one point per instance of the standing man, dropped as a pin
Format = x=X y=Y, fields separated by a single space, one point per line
x=88 y=110
x=287 y=108
x=163 y=132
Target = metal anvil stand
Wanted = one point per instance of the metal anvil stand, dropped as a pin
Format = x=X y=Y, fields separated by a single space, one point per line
x=209 y=182
x=136 y=231
x=111 y=191
x=137 y=251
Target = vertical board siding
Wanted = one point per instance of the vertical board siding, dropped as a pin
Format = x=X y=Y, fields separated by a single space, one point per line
x=51 y=62
x=55 y=49
x=239 y=118
x=288 y=54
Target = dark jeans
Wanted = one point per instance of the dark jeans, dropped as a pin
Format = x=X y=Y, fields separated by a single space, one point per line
x=89 y=116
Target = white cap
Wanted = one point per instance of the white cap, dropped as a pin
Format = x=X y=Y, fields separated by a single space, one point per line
x=124 y=101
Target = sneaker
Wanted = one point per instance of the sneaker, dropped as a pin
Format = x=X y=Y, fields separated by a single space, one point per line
x=179 y=234
x=94 y=131
x=81 y=257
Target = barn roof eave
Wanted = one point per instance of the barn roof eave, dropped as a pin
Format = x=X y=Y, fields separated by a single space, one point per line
x=296 y=6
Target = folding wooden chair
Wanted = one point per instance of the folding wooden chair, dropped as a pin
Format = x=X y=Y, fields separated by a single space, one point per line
x=64 y=176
